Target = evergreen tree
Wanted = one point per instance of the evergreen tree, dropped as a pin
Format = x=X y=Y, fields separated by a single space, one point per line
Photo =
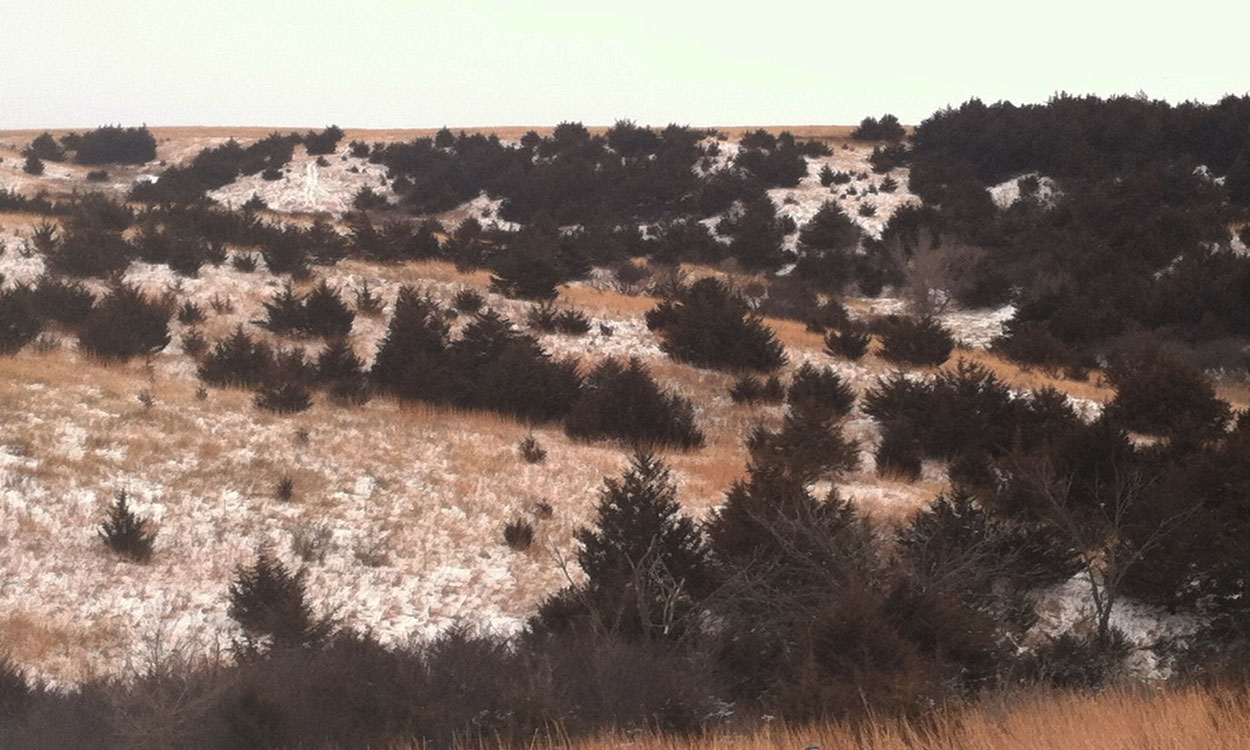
x=326 y=314
x=127 y=534
x=411 y=361
x=125 y=324
x=238 y=360
x=707 y=325
x=625 y=403
x=268 y=602
x=18 y=323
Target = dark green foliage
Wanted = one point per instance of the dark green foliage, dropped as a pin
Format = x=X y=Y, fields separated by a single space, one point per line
x=125 y=324
x=467 y=301
x=851 y=343
x=127 y=534
x=325 y=313
x=44 y=147
x=885 y=129
x=756 y=233
x=707 y=325
x=190 y=313
x=772 y=161
x=19 y=324
x=112 y=144
x=645 y=563
x=243 y=262
x=410 y=360
x=33 y=165
x=283 y=398
x=284 y=312
x=324 y=142
x=237 y=361
x=87 y=252
x=518 y=534
x=267 y=601
x=533 y=264
x=821 y=391
x=914 y=341
x=623 y=402
x=809 y=446
x=1160 y=395
x=748 y=389
x=830 y=230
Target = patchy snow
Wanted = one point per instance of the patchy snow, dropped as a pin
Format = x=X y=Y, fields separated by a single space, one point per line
x=977 y=328
x=306 y=187
x=1006 y=193
x=484 y=209
x=1068 y=608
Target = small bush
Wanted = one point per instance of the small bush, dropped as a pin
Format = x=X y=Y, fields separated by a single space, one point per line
x=311 y=541
x=707 y=325
x=821 y=390
x=194 y=343
x=809 y=446
x=519 y=535
x=33 y=165
x=97 y=175
x=324 y=142
x=468 y=301
x=915 y=341
x=325 y=313
x=284 y=490
x=283 y=398
x=237 y=360
x=851 y=343
x=127 y=534
x=243 y=262
x=531 y=452
x=367 y=303
x=190 y=313
x=746 y=390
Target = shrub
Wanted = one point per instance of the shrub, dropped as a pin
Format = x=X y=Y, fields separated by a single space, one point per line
x=1078 y=662
x=33 y=165
x=531 y=452
x=572 y=322
x=325 y=314
x=851 y=343
x=194 y=343
x=45 y=147
x=127 y=534
x=97 y=175
x=410 y=361
x=707 y=325
x=625 y=403
x=243 y=262
x=821 y=390
x=90 y=253
x=809 y=446
x=284 y=490
x=237 y=360
x=68 y=303
x=338 y=363
x=18 y=323
x=283 y=398
x=125 y=324
x=830 y=229
x=267 y=601
x=915 y=341
x=885 y=129
x=324 y=142
x=518 y=534
x=190 y=313
x=368 y=303
x=746 y=390
x=112 y=145
x=1160 y=395
x=467 y=301
x=899 y=454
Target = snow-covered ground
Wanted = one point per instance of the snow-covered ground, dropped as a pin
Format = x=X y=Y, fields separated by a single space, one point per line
x=1007 y=192
x=307 y=187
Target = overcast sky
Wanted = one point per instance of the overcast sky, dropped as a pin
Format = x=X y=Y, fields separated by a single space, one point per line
x=81 y=63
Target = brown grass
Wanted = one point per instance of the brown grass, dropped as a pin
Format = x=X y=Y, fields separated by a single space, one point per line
x=1186 y=719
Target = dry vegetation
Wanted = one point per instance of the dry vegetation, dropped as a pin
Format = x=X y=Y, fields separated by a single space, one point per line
x=1185 y=719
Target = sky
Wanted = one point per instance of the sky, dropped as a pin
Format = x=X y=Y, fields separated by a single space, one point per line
x=374 y=64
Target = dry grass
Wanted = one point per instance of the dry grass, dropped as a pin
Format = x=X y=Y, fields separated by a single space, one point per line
x=1189 y=719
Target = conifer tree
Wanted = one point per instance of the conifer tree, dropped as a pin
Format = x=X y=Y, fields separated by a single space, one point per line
x=325 y=314
x=127 y=534
x=268 y=602
x=125 y=324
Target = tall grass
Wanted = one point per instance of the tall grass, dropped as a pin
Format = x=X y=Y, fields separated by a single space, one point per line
x=1177 y=719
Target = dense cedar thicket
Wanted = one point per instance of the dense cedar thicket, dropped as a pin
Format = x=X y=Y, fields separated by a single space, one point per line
x=125 y=324
x=112 y=144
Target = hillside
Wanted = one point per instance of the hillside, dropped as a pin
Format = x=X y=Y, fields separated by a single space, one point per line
x=1079 y=439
